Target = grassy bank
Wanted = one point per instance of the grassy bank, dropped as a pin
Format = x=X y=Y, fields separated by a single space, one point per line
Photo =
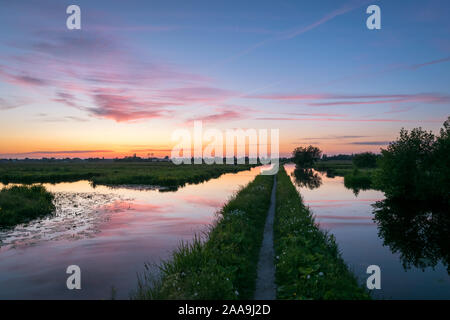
x=308 y=263
x=361 y=179
x=165 y=174
x=224 y=265
x=334 y=167
x=354 y=178
x=20 y=204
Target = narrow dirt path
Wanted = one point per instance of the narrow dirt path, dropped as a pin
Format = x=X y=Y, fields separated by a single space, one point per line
x=265 y=281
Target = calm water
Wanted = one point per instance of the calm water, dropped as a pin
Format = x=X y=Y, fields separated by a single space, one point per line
x=109 y=234
x=350 y=219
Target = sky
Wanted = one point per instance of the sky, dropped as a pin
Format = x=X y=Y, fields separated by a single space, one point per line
x=139 y=70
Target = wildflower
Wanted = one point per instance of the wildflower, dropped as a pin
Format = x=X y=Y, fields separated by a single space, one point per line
x=320 y=273
x=308 y=276
x=236 y=292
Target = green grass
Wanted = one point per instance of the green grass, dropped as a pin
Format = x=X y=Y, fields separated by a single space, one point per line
x=354 y=178
x=308 y=261
x=165 y=174
x=224 y=265
x=20 y=204
x=334 y=167
x=361 y=179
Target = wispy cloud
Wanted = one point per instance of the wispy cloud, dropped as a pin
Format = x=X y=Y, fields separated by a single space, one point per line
x=94 y=73
x=123 y=107
x=420 y=65
x=289 y=34
x=222 y=115
x=348 y=120
x=22 y=79
x=371 y=143
x=47 y=118
x=48 y=152
x=337 y=137
x=7 y=104
x=337 y=100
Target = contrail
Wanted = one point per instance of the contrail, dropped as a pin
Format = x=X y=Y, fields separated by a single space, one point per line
x=293 y=33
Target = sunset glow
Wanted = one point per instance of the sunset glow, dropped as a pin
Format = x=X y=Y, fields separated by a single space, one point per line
x=129 y=78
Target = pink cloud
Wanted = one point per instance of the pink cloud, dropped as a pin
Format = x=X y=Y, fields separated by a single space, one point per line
x=289 y=96
x=23 y=79
x=122 y=107
x=223 y=115
x=197 y=94
x=111 y=82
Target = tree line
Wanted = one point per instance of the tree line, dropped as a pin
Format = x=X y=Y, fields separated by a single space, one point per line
x=414 y=166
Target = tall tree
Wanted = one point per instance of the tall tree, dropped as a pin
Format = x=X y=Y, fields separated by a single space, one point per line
x=305 y=157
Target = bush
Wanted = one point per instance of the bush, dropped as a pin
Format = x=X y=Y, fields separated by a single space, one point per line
x=20 y=204
x=306 y=157
x=365 y=160
x=417 y=165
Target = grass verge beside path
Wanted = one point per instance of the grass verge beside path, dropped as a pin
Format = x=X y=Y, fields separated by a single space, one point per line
x=308 y=262
x=20 y=204
x=224 y=265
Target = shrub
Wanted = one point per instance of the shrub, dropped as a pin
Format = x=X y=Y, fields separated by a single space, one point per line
x=20 y=204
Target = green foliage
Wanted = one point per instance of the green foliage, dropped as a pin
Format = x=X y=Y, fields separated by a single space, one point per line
x=361 y=180
x=224 y=265
x=20 y=204
x=440 y=168
x=417 y=165
x=308 y=262
x=163 y=174
x=365 y=160
x=306 y=157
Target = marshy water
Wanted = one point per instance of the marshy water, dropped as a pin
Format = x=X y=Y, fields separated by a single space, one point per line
x=350 y=218
x=110 y=233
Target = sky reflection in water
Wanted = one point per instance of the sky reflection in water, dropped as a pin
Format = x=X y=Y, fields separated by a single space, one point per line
x=120 y=233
